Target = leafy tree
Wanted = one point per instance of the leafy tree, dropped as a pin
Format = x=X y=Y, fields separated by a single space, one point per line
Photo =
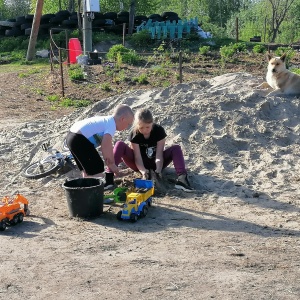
x=143 y=7
x=12 y=9
x=279 y=11
x=53 y=6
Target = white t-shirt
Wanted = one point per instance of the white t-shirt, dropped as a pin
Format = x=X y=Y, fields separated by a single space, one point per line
x=94 y=128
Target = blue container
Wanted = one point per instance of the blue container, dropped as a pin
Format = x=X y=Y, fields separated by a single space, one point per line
x=142 y=183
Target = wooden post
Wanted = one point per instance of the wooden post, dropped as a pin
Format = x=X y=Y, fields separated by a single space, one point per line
x=35 y=30
x=51 y=55
x=180 y=66
x=124 y=33
x=237 y=28
x=265 y=29
x=61 y=74
x=67 y=46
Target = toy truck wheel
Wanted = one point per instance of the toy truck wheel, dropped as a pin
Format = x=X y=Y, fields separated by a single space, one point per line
x=144 y=211
x=14 y=220
x=2 y=226
x=133 y=217
x=20 y=217
x=150 y=202
x=119 y=215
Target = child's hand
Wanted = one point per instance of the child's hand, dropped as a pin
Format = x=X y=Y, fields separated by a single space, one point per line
x=145 y=174
x=115 y=170
x=158 y=175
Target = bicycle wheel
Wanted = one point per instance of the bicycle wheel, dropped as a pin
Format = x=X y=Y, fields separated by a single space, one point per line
x=42 y=168
x=64 y=146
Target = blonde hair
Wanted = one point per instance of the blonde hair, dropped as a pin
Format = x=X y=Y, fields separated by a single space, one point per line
x=142 y=115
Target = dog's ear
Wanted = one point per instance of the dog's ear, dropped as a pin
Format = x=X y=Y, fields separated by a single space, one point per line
x=283 y=57
x=269 y=56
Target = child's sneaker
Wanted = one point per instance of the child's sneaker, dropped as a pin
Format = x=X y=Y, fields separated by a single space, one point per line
x=182 y=183
x=109 y=181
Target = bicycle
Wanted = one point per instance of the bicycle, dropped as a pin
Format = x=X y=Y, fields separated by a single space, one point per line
x=50 y=164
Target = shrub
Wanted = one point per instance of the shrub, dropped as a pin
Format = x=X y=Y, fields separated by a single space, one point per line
x=259 y=48
x=290 y=52
x=227 y=51
x=75 y=72
x=239 y=47
x=67 y=102
x=142 y=79
x=160 y=71
x=105 y=87
x=204 y=50
x=127 y=56
x=53 y=98
x=141 y=39
x=295 y=70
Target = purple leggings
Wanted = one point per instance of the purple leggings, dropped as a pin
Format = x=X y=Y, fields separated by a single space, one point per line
x=123 y=152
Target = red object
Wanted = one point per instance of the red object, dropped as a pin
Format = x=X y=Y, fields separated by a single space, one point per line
x=74 y=50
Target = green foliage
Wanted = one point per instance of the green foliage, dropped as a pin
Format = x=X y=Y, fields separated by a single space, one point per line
x=204 y=50
x=145 y=7
x=121 y=53
x=131 y=58
x=141 y=39
x=296 y=71
x=51 y=6
x=227 y=51
x=115 y=50
x=9 y=44
x=53 y=98
x=106 y=37
x=239 y=47
x=105 y=87
x=75 y=72
x=29 y=72
x=290 y=52
x=160 y=71
x=166 y=84
x=259 y=48
x=142 y=79
x=67 y=102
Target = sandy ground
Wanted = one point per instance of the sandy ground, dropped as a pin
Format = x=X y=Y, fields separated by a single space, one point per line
x=236 y=237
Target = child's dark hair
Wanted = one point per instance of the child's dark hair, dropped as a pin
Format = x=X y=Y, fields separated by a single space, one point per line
x=142 y=115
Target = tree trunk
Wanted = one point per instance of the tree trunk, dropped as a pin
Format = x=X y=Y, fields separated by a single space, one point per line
x=131 y=16
x=35 y=30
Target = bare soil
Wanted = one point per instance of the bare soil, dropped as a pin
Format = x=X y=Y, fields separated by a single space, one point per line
x=190 y=246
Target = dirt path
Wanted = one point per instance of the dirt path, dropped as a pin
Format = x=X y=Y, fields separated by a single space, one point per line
x=224 y=241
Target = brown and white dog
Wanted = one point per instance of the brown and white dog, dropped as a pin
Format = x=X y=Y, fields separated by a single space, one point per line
x=283 y=81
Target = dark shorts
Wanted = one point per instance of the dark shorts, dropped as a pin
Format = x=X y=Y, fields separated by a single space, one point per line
x=85 y=155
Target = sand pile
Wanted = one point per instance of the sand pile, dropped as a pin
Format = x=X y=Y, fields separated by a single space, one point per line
x=236 y=141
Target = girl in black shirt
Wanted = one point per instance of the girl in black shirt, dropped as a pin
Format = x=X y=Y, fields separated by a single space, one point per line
x=147 y=151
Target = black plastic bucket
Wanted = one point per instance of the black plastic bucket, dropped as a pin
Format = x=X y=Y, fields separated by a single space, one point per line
x=84 y=197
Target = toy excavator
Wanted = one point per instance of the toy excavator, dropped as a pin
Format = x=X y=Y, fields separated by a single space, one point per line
x=118 y=195
x=13 y=210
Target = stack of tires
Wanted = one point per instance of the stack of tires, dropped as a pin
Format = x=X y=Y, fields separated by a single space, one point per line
x=19 y=25
x=102 y=21
x=170 y=16
x=7 y=26
x=108 y=22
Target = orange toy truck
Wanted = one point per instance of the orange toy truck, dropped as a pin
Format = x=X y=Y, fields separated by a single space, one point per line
x=13 y=210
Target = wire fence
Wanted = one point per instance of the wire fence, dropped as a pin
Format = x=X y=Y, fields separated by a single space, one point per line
x=61 y=55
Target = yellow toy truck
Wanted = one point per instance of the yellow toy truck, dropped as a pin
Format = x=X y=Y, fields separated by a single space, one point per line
x=137 y=201
x=13 y=210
